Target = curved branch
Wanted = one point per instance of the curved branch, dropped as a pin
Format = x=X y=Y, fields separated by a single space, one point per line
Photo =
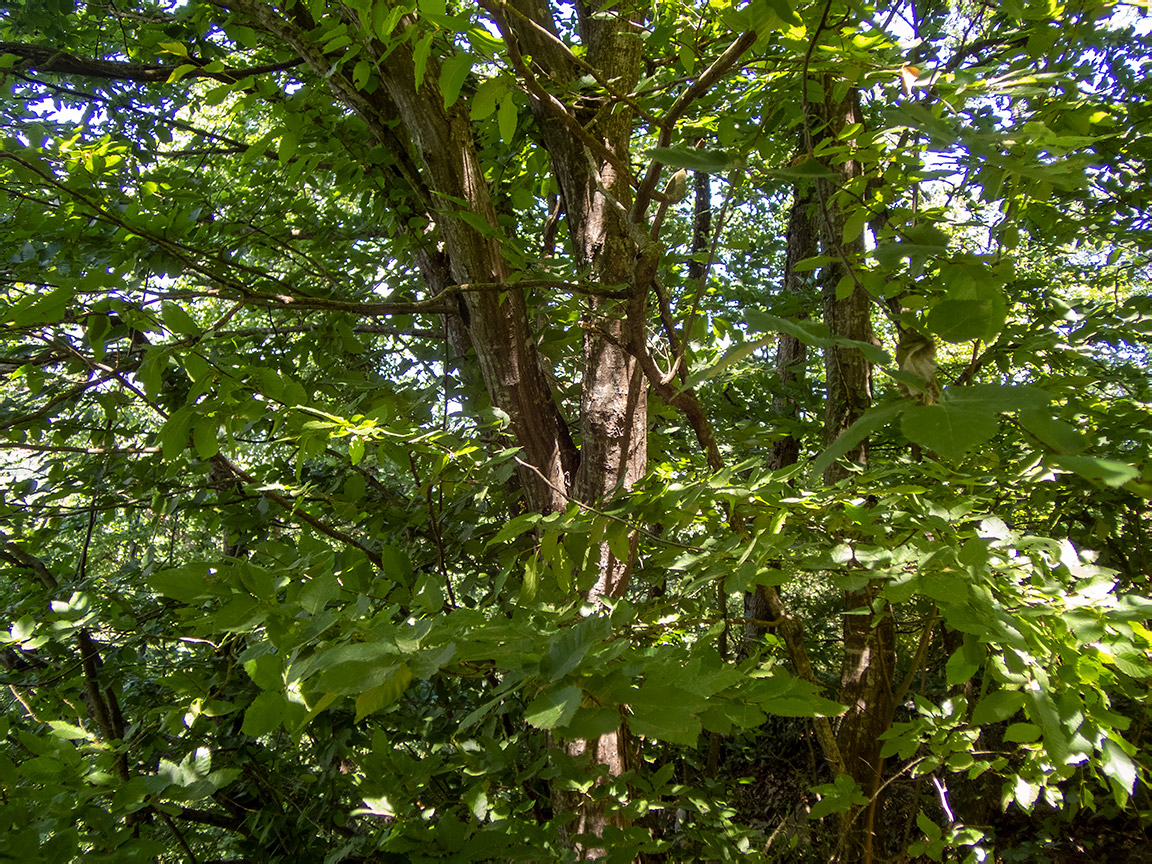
x=45 y=58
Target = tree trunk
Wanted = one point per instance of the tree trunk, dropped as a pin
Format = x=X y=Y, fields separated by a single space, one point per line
x=791 y=354
x=869 y=639
x=596 y=197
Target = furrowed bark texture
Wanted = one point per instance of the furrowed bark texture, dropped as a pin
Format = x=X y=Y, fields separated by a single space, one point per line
x=866 y=680
x=444 y=169
x=445 y=154
x=791 y=354
x=596 y=195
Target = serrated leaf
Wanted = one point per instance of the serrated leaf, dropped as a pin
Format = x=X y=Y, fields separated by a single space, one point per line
x=1042 y=710
x=420 y=56
x=997 y=706
x=1106 y=471
x=506 y=118
x=946 y=430
x=671 y=724
x=1119 y=768
x=553 y=708
x=571 y=644
x=531 y=581
x=49 y=308
x=287 y=148
x=204 y=437
x=695 y=159
x=484 y=102
x=1060 y=436
x=807 y=169
x=870 y=421
x=514 y=527
x=453 y=73
x=839 y=796
x=181 y=583
x=965 y=320
x=813 y=333
x=319 y=591
x=383 y=695
x=964 y=662
x=265 y=714
x=180 y=71
x=68 y=731
x=173 y=436
x=177 y=319
x=997 y=397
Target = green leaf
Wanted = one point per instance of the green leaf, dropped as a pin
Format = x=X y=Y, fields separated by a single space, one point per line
x=807 y=169
x=695 y=158
x=1042 y=710
x=839 y=796
x=1021 y=733
x=997 y=706
x=531 y=581
x=1119 y=769
x=204 y=437
x=1060 y=436
x=177 y=319
x=383 y=695
x=62 y=729
x=420 y=55
x=453 y=73
x=514 y=527
x=813 y=333
x=49 y=308
x=484 y=102
x=593 y=721
x=1106 y=471
x=965 y=660
x=553 y=708
x=355 y=668
x=319 y=591
x=869 y=422
x=265 y=714
x=731 y=358
x=266 y=671
x=287 y=148
x=506 y=118
x=360 y=73
x=783 y=10
x=666 y=723
x=173 y=436
x=185 y=583
x=946 y=430
x=997 y=397
x=965 y=320
x=572 y=644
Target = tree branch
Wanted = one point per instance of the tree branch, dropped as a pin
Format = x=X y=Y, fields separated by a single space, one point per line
x=44 y=58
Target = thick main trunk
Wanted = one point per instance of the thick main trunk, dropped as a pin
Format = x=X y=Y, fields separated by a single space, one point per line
x=613 y=399
x=448 y=166
x=791 y=355
x=866 y=685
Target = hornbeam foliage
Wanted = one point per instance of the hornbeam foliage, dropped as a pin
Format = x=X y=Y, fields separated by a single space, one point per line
x=539 y=431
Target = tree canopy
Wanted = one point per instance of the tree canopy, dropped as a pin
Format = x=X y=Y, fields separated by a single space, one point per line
x=550 y=431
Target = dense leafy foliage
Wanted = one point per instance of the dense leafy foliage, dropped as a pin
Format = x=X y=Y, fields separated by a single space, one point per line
x=278 y=581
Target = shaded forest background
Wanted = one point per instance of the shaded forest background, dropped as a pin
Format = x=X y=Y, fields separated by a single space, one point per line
x=549 y=432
